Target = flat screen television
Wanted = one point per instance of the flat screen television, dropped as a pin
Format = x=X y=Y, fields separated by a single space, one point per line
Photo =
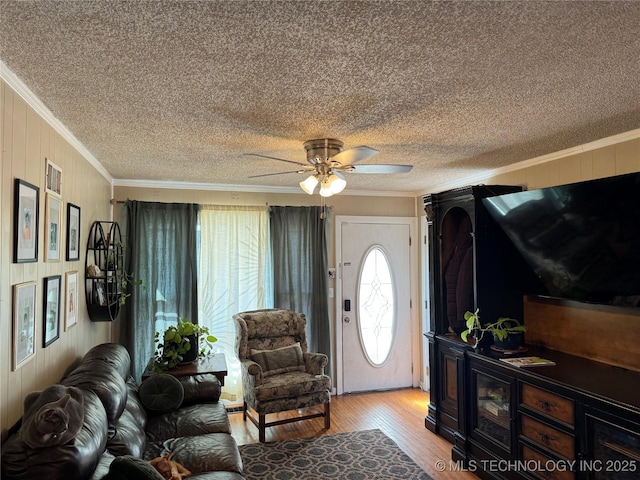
x=579 y=241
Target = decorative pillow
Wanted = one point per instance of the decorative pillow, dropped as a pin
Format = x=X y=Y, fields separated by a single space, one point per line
x=279 y=360
x=127 y=467
x=161 y=393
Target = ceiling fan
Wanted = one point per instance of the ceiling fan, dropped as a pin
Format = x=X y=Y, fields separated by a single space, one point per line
x=326 y=163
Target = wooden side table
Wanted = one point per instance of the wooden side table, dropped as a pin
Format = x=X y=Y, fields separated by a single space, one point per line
x=215 y=364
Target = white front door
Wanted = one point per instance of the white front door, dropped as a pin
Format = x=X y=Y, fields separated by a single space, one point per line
x=376 y=320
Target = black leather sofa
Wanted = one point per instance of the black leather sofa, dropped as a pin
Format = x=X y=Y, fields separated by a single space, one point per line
x=116 y=423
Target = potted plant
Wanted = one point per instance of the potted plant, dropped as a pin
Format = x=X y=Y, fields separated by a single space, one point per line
x=507 y=332
x=181 y=343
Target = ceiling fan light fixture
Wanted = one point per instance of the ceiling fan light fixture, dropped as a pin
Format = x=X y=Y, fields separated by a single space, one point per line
x=337 y=183
x=309 y=185
x=327 y=160
x=325 y=187
x=332 y=184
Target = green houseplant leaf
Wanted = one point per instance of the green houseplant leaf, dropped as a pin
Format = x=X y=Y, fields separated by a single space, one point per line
x=499 y=329
x=175 y=342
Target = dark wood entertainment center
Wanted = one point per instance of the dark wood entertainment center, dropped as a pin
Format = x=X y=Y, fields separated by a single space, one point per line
x=578 y=419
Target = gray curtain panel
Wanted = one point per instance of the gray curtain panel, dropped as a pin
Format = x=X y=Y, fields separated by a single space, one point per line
x=300 y=269
x=162 y=252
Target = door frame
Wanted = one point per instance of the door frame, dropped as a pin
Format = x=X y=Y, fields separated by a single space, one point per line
x=414 y=272
x=425 y=303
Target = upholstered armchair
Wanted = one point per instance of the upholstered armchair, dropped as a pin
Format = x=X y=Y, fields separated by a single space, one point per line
x=278 y=373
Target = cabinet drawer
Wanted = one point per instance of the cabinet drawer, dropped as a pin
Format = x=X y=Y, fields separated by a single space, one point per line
x=548 y=403
x=547 y=436
x=537 y=458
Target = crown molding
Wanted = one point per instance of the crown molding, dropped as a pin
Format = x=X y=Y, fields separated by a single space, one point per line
x=41 y=109
x=587 y=147
x=219 y=187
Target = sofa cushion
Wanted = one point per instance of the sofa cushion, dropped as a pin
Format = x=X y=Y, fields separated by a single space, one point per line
x=283 y=404
x=279 y=360
x=217 y=475
x=128 y=437
x=288 y=385
x=105 y=381
x=103 y=466
x=188 y=421
x=104 y=370
x=161 y=393
x=127 y=467
x=201 y=453
x=112 y=354
x=134 y=405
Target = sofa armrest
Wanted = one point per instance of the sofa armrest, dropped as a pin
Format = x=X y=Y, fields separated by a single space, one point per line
x=315 y=363
x=202 y=388
x=76 y=459
x=251 y=368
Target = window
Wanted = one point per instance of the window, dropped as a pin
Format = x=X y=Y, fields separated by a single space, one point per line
x=376 y=307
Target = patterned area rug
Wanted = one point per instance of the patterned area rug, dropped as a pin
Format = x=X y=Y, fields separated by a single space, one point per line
x=344 y=456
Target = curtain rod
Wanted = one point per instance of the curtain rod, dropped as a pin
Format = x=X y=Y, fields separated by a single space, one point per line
x=113 y=201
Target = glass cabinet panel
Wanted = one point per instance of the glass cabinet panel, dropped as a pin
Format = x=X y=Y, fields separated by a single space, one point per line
x=493 y=398
x=616 y=452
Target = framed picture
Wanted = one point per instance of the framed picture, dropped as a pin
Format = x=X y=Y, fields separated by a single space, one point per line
x=100 y=292
x=24 y=323
x=51 y=310
x=53 y=178
x=52 y=228
x=71 y=300
x=25 y=222
x=73 y=232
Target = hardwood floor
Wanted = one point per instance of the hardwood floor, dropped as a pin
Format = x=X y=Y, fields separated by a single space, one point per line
x=399 y=414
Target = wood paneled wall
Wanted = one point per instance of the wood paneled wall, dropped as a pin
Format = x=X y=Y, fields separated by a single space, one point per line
x=607 y=161
x=605 y=334
x=26 y=139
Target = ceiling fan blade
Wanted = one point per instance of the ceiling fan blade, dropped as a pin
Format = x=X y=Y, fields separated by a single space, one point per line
x=353 y=155
x=275 y=158
x=380 y=169
x=270 y=174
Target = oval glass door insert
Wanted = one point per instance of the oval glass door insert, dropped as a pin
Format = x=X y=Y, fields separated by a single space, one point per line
x=376 y=307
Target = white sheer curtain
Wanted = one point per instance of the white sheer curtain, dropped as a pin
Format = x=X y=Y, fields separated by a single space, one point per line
x=235 y=274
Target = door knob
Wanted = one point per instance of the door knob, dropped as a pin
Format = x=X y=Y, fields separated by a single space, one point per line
x=346 y=320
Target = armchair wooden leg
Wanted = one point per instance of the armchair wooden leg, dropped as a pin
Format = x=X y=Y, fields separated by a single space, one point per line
x=260 y=421
x=261 y=427
x=327 y=416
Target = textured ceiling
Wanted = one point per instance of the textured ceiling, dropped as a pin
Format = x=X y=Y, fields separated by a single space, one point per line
x=180 y=90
